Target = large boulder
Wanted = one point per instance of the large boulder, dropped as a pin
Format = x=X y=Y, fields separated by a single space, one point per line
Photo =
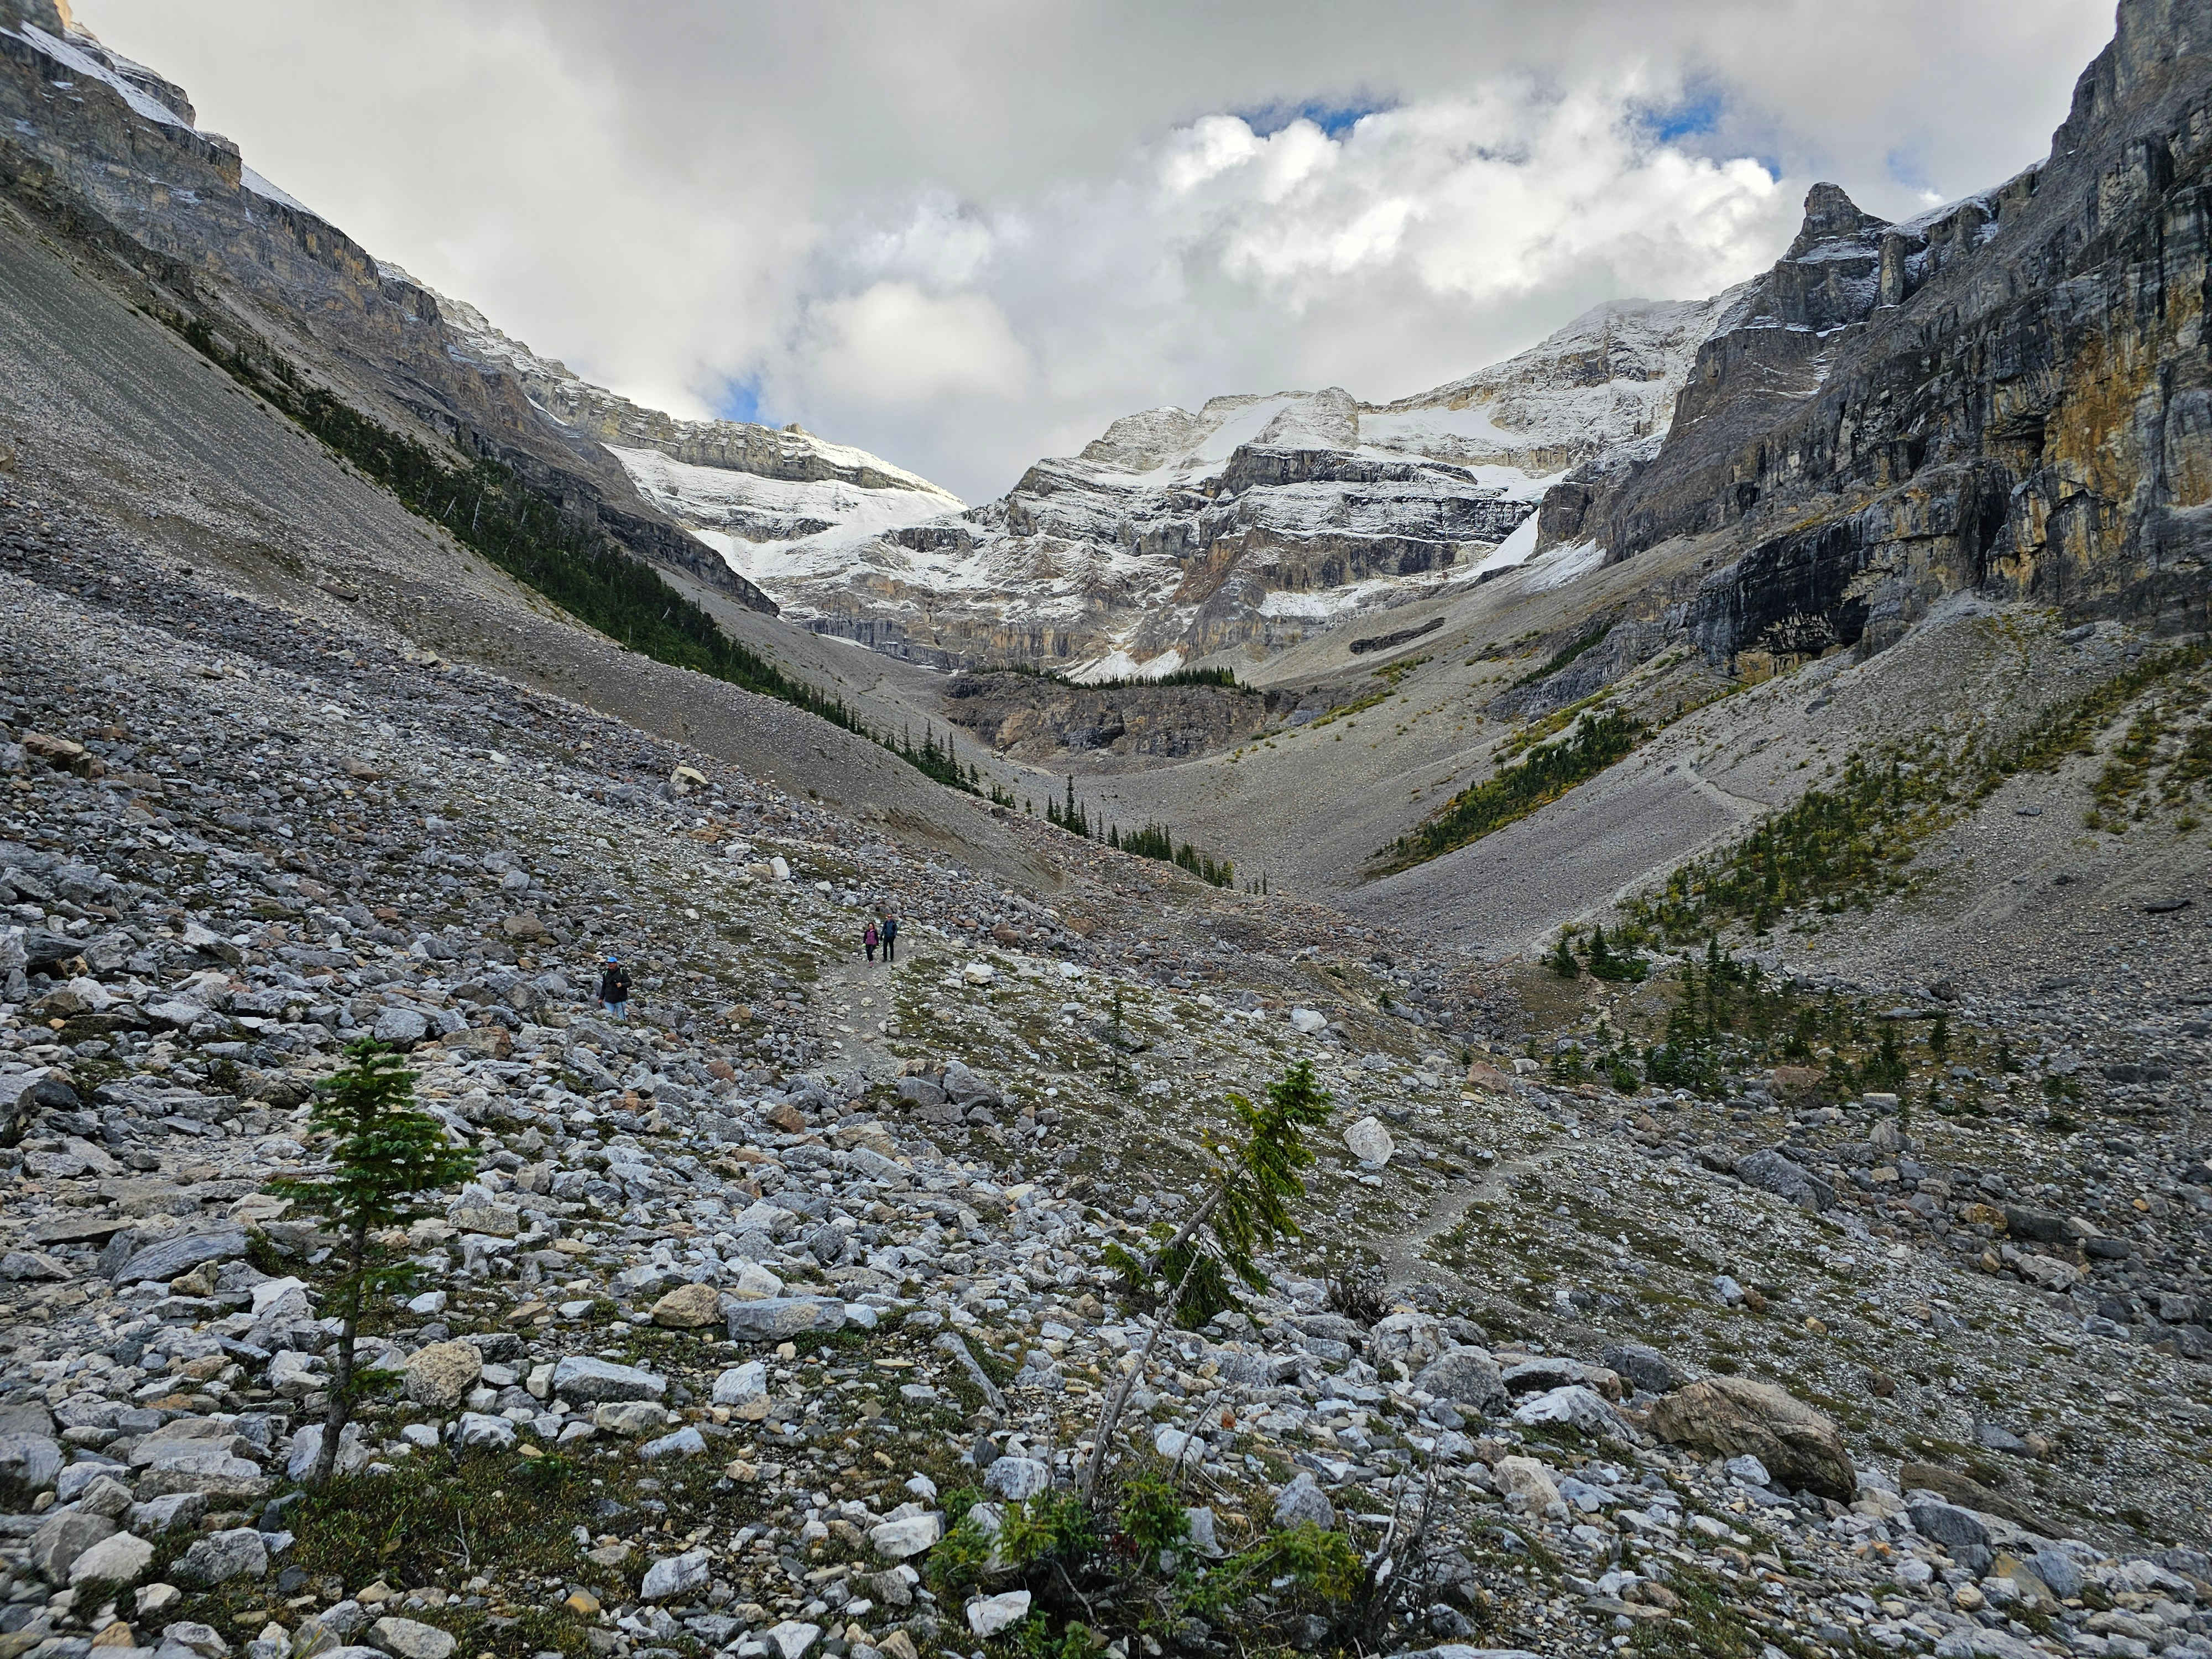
x=1642 y=1368
x=410 y=1638
x=1466 y=1377
x=894 y=1540
x=674 y=1576
x=1970 y=1494
x=1408 y=1336
x=1303 y=1500
x=44 y=951
x=989 y=1615
x=403 y=1028
x=440 y=1375
x=119 y=1558
x=174 y=1257
x=1733 y=1416
x=1528 y=1479
x=688 y=1307
x=478 y=1430
x=1574 y=1406
x=779 y=1318
x=1772 y=1172
x=743 y=1390
x=1370 y=1142
x=64 y=1536
x=238 y=1553
x=25 y=1095
x=2041 y=1227
x=1957 y=1530
x=586 y=1381
x=29 y=1464
x=1016 y=1478
x=964 y=1087
x=197 y=1455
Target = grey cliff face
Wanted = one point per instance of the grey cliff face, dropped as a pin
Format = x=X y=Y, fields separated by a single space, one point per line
x=2010 y=394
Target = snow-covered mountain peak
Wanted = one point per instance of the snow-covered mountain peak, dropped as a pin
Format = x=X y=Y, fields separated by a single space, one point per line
x=791 y=452
x=1257 y=519
x=1606 y=379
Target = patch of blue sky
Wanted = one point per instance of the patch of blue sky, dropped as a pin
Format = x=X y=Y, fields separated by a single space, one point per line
x=1696 y=113
x=740 y=401
x=1694 y=116
x=1334 y=119
x=1908 y=168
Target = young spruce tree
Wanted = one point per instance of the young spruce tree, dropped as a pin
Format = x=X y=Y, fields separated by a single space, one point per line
x=1245 y=1214
x=383 y=1154
x=1562 y=960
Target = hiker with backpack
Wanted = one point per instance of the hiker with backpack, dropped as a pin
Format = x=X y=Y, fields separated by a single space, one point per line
x=868 y=937
x=890 y=936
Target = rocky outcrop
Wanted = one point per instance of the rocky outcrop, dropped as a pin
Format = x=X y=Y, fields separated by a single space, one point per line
x=1736 y=1417
x=2009 y=394
x=1037 y=719
x=791 y=453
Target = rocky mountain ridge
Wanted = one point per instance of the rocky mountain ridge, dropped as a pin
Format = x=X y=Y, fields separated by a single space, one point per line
x=1256 y=520
x=2000 y=393
x=107 y=146
x=732 y=482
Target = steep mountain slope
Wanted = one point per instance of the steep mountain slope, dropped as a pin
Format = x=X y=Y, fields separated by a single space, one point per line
x=1255 y=520
x=105 y=164
x=740 y=487
x=105 y=410
x=170 y=386
x=110 y=146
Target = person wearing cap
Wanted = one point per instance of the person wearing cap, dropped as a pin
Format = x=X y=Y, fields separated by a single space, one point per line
x=614 y=988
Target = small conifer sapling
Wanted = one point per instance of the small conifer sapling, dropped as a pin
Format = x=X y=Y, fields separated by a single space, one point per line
x=385 y=1154
x=1244 y=1213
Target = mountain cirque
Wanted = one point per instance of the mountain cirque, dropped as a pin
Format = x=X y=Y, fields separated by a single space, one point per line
x=925 y=1159
x=758 y=1310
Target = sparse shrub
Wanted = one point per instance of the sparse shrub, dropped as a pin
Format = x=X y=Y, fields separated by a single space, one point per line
x=1356 y=1294
x=1607 y=964
x=1151 y=1514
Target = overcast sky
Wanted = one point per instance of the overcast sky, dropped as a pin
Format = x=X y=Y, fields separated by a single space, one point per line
x=965 y=235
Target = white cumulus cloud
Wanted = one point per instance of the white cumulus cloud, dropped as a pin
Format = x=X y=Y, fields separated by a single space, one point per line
x=965 y=233
x=1412 y=246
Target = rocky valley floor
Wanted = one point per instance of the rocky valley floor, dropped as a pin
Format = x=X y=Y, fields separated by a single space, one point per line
x=775 y=1319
